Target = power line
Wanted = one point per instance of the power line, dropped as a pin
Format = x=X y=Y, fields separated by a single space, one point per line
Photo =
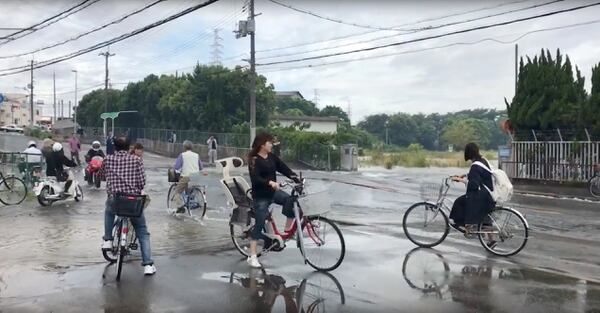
x=51 y=20
x=419 y=30
x=85 y=33
x=115 y=39
x=434 y=48
x=436 y=36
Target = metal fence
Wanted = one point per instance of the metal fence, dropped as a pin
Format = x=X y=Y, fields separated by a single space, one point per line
x=318 y=156
x=556 y=135
x=21 y=165
x=174 y=149
x=553 y=161
x=170 y=135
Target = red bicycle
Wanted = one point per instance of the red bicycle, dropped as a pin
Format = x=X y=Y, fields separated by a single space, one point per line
x=319 y=239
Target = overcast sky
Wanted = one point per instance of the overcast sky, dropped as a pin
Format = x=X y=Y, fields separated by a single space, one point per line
x=380 y=81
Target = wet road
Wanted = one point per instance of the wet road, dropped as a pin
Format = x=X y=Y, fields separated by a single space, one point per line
x=50 y=259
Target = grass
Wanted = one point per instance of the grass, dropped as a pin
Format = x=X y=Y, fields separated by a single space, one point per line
x=420 y=158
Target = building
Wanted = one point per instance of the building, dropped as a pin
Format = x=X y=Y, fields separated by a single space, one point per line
x=295 y=95
x=15 y=110
x=315 y=123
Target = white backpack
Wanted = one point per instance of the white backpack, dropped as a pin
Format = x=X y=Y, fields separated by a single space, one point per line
x=503 y=188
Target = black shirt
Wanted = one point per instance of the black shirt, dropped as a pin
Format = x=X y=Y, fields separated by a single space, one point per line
x=265 y=170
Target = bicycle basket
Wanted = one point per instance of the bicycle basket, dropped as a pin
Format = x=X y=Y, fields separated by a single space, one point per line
x=431 y=191
x=315 y=201
x=127 y=205
x=173 y=176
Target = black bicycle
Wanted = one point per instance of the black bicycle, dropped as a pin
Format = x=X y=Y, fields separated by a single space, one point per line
x=12 y=189
x=124 y=240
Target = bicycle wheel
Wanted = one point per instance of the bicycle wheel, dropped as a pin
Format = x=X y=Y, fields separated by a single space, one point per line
x=425 y=224
x=240 y=235
x=324 y=245
x=504 y=232
x=196 y=201
x=320 y=292
x=12 y=190
x=594 y=185
x=171 y=200
x=112 y=255
x=427 y=271
x=121 y=253
x=78 y=196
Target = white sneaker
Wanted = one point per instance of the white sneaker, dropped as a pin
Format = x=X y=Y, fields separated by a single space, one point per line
x=149 y=269
x=253 y=261
x=107 y=245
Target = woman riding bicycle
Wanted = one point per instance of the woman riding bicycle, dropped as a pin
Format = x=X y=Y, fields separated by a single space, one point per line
x=263 y=167
x=470 y=209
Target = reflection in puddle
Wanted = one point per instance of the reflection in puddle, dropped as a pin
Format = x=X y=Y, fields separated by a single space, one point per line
x=317 y=292
x=486 y=286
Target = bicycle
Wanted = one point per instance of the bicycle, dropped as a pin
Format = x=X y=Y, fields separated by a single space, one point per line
x=426 y=224
x=124 y=240
x=12 y=190
x=594 y=182
x=194 y=198
x=316 y=227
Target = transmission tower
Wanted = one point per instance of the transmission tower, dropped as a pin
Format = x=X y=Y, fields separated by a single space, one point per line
x=216 y=54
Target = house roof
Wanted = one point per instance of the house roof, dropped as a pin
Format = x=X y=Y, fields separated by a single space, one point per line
x=308 y=118
x=289 y=94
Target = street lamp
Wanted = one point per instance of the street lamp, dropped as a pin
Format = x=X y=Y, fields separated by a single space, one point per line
x=387 y=137
x=75 y=104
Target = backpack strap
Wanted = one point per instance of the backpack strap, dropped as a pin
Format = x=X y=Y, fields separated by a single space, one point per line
x=480 y=164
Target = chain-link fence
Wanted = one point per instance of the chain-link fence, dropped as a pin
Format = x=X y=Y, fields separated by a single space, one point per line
x=317 y=156
x=169 y=135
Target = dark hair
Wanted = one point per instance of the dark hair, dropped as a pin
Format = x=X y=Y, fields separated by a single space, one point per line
x=138 y=146
x=472 y=152
x=122 y=144
x=258 y=142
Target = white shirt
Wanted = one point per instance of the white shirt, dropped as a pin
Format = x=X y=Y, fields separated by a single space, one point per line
x=33 y=158
x=190 y=163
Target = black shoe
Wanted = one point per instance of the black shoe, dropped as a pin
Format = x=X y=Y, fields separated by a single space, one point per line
x=180 y=210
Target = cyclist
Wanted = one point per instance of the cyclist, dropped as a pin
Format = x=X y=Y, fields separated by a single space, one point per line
x=33 y=158
x=94 y=151
x=125 y=174
x=263 y=167
x=470 y=209
x=59 y=160
x=138 y=150
x=188 y=163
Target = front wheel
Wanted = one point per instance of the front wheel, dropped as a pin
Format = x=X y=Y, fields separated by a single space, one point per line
x=171 y=200
x=12 y=190
x=594 y=185
x=78 y=194
x=425 y=224
x=324 y=245
x=197 y=201
x=504 y=232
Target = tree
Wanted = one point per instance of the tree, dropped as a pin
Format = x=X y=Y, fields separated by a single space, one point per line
x=307 y=108
x=402 y=130
x=591 y=113
x=375 y=124
x=549 y=95
x=463 y=131
x=332 y=110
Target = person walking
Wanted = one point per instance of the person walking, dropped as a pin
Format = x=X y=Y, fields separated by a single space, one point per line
x=212 y=149
x=110 y=144
x=75 y=148
x=125 y=175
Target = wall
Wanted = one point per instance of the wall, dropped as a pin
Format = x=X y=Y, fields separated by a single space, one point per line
x=315 y=126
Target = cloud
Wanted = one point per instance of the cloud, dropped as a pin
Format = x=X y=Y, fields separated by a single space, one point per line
x=440 y=80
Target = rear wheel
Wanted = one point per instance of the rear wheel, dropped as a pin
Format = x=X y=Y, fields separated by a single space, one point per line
x=324 y=245
x=425 y=224
x=504 y=232
x=12 y=190
x=120 y=256
x=97 y=180
x=43 y=196
x=594 y=185
x=240 y=235
x=112 y=254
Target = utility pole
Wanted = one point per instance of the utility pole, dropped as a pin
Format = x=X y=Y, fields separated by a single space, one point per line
x=31 y=97
x=216 y=49
x=69 y=114
x=252 y=31
x=62 y=109
x=516 y=67
x=106 y=55
x=75 y=105
x=245 y=28
x=54 y=105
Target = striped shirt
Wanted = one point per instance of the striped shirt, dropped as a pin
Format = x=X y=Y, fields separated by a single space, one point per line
x=124 y=173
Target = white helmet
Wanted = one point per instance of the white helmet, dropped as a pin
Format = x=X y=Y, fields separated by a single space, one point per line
x=56 y=147
x=95 y=144
x=31 y=143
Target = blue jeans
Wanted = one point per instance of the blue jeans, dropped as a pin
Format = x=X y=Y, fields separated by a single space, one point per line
x=139 y=224
x=261 y=211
